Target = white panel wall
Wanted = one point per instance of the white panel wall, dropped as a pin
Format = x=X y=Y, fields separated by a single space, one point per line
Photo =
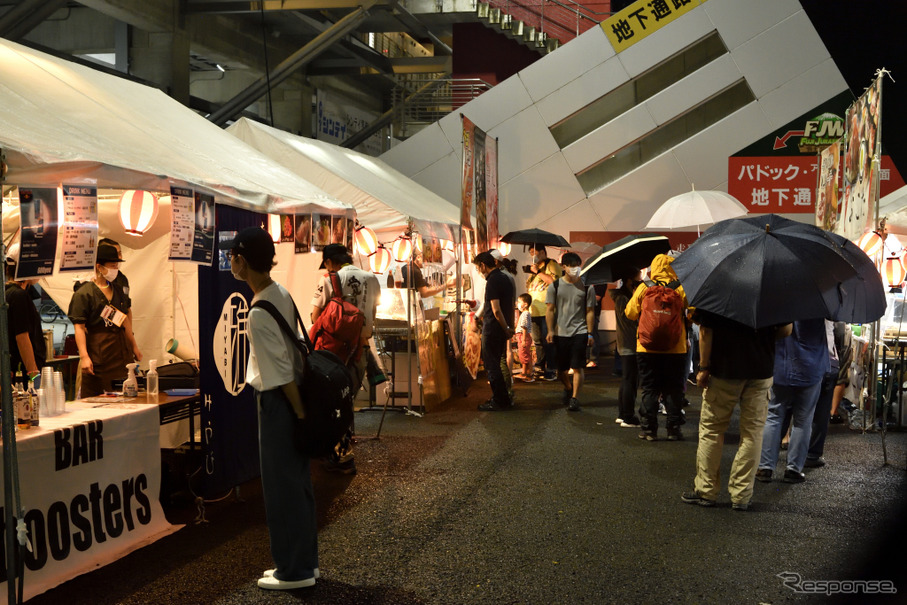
x=578 y=93
x=443 y=177
x=669 y=40
x=780 y=54
x=578 y=217
x=489 y=108
x=538 y=193
x=566 y=63
x=741 y=20
x=527 y=141
x=797 y=96
x=693 y=90
x=419 y=151
x=607 y=139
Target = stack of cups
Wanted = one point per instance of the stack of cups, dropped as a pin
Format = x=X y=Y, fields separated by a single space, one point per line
x=59 y=394
x=44 y=409
x=48 y=407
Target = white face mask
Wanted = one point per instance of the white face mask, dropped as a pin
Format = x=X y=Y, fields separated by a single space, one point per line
x=535 y=259
x=111 y=274
x=573 y=271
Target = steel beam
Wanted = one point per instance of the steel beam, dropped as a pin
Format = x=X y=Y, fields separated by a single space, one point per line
x=384 y=119
x=252 y=6
x=27 y=16
x=286 y=68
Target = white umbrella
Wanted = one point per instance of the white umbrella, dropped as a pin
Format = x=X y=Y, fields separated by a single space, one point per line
x=696 y=208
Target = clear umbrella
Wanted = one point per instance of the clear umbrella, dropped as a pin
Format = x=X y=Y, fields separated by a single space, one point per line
x=695 y=208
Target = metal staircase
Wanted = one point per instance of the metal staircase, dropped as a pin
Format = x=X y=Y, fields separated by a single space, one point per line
x=542 y=25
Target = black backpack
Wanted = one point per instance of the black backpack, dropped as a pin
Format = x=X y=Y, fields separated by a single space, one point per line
x=326 y=389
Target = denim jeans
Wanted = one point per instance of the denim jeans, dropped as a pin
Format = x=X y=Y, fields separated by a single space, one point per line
x=821 y=416
x=545 y=354
x=798 y=404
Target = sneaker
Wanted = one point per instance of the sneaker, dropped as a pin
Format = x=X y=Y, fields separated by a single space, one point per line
x=693 y=497
x=792 y=476
x=346 y=467
x=272 y=583
x=565 y=397
x=573 y=406
x=491 y=406
x=674 y=434
x=764 y=475
x=648 y=436
x=814 y=462
x=550 y=377
x=591 y=365
x=632 y=423
x=270 y=572
x=662 y=410
x=619 y=421
x=741 y=506
x=527 y=380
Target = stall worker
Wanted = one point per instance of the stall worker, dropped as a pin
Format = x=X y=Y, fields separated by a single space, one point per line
x=99 y=311
x=28 y=350
x=419 y=282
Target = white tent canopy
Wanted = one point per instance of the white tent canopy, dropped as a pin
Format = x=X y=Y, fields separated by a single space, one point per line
x=63 y=122
x=384 y=198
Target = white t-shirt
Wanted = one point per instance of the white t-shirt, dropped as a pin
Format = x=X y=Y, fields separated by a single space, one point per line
x=360 y=287
x=270 y=365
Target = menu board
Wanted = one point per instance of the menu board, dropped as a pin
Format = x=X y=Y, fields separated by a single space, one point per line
x=80 y=227
x=203 y=238
x=182 y=222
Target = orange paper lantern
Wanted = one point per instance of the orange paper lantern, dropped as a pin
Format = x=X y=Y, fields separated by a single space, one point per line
x=403 y=249
x=504 y=248
x=893 y=271
x=380 y=260
x=366 y=240
x=870 y=243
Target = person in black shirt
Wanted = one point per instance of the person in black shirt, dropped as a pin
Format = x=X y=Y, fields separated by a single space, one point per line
x=736 y=366
x=29 y=349
x=99 y=310
x=496 y=329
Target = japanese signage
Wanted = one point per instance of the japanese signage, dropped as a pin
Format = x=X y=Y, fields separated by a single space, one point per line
x=336 y=121
x=827 y=190
x=182 y=210
x=480 y=184
x=491 y=189
x=38 y=238
x=467 y=184
x=632 y=24
x=80 y=227
x=779 y=173
x=861 y=196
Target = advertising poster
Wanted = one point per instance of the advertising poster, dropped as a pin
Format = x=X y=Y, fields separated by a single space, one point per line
x=203 y=241
x=80 y=228
x=827 y=189
x=466 y=187
x=491 y=190
x=860 y=194
x=338 y=230
x=321 y=231
x=479 y=188
x=38 y=237
x=303 y=230
x=287 y=228
x=349 y=235
x=182 y=222
x=336 y=120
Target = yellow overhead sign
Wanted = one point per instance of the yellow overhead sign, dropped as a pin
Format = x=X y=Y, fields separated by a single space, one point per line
x=629 y=26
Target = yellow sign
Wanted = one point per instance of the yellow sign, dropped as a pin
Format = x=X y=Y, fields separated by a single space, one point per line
x=629 y=26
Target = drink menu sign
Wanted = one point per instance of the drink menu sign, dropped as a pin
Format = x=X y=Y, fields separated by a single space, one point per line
x=182 y=222
x=80 y=227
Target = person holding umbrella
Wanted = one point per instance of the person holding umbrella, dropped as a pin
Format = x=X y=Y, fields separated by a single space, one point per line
x=543 y=272
x=661 y=365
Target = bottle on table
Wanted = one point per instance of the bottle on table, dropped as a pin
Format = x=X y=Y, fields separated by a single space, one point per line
x=33 y=402
x=151 y=381
x=23 y=409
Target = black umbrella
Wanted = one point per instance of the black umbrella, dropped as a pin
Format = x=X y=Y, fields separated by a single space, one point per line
x=627 y=254
x=535 y=236
x=766 y=270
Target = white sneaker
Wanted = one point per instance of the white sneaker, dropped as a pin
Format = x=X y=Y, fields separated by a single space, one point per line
x=269 y=573
x=272 y=583
x=629 y=425
x=618 y=421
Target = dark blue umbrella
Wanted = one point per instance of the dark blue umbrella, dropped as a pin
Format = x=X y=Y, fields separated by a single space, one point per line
x=765 y=270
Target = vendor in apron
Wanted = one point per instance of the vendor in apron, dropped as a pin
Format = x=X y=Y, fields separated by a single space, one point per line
x=99 y=310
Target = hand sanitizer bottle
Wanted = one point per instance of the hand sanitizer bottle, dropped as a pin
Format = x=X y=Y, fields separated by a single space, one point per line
x=130 y=385
x=151 y=383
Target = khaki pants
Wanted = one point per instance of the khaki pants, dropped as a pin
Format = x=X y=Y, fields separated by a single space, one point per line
x=718 y=402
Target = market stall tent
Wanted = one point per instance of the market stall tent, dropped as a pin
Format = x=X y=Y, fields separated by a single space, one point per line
x=384 y=199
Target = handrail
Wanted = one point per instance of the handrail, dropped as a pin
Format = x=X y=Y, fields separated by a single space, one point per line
x=559 y=21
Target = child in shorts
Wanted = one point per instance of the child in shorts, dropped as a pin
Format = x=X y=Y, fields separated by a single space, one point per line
x=523 y=336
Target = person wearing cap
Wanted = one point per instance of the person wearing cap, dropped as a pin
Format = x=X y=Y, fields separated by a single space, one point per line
x=363 y=290
x=271 y=371
x=29 y=350
x=99 y=311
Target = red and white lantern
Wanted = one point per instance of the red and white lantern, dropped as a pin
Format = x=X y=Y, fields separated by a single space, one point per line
x=403 y=249
x=138 y=209
x=380 y=260
x=893 y=271
x=366 y=240
x=870 y=243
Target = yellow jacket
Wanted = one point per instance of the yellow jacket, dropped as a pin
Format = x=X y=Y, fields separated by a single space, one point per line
x=660 y=271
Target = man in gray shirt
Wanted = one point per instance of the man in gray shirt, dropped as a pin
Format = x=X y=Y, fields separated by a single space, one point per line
x=571 y=319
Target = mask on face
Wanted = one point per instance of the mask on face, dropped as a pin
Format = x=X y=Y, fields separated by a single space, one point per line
x=111 y=274
x=573 y=271
x=535 y=259
x=235 y=270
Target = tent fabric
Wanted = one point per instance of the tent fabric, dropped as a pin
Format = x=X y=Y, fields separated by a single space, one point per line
x=384 y=198
x=64 y=122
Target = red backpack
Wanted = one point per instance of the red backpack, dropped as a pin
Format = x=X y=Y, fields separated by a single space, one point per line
x=339 y=327
x=661 y=322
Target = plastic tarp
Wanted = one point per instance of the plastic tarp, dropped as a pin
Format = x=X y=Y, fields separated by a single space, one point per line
x=64 y=122
x=384 y=199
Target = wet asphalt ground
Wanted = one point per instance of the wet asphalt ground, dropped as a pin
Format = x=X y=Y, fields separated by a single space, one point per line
x=541 y=505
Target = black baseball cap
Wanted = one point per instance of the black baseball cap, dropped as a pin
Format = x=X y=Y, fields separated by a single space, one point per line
x=332 y=251
x=107 y=254
x=253 y=243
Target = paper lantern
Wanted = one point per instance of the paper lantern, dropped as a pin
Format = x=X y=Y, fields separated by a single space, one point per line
x=417 y=241
x=366 y=240
x=380 y=260
x=893 y=271
x=447 y=244
x=274 y=227
x=870 y=243
x=138 y=209
x=403 y=249
x=504 y=248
